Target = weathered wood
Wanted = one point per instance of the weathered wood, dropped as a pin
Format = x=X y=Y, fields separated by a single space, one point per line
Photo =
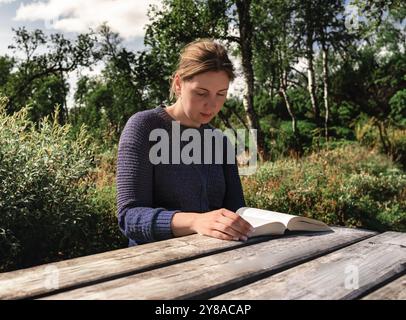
x=395 y=290
x=343 y=274
x=46 y=278
x=204 y=277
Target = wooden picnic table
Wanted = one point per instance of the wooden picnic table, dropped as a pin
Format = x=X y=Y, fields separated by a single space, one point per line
x=343 y=263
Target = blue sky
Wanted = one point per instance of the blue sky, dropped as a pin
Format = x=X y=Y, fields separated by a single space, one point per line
x=7 y=13
x=70 y=17
x=127 y=17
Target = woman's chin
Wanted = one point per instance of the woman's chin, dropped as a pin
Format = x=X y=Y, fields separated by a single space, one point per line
x=205 y=118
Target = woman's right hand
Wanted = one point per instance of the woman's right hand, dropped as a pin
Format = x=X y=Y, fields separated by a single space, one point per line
x=222 y=224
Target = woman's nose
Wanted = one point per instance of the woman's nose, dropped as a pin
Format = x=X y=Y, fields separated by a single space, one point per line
x=210 y=102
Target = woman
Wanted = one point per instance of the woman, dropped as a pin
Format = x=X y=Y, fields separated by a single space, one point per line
x=158 y=201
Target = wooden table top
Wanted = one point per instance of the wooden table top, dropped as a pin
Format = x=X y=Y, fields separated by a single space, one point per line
x=343 y=263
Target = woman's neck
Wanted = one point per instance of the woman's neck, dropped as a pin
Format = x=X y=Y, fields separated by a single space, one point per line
x=176 y=112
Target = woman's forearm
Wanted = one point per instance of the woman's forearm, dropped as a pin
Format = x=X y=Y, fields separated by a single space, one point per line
x=183 y=223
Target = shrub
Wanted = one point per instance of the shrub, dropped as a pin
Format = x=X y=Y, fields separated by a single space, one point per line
x=347 y=186
x=283 y=142
x=397 y=150
x=367 y=133
x=48 y=210
x=398 y=107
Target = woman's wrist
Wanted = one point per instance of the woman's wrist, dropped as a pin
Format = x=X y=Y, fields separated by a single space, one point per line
x=183 y=223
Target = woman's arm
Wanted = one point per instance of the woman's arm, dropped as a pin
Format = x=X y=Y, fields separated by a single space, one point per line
x=137 y=218
x=222 y=223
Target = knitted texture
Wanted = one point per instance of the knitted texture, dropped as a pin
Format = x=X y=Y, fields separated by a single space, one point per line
x=148 y=195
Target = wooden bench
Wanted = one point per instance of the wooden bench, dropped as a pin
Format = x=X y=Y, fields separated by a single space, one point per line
x=342 y=264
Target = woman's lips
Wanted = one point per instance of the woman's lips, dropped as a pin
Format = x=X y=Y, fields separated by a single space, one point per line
x=206 y=115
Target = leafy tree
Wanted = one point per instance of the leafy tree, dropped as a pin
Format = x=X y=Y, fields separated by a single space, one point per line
x=179 y=22
x=48 y=92
x=6 y=67
x=44 y=56
x=274 y=51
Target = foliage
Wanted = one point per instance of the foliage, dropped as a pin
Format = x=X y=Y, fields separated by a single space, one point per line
x=282 y=142
x=347 y=186
x=49 y=208
x=41 y=69
x=58 y=181
x=391 y=140
x=398 y=107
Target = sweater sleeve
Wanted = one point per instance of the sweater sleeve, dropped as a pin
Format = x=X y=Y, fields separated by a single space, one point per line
x=138 y=219
x=234 y=196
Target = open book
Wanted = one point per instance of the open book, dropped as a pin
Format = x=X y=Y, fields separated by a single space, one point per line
x=267 y=222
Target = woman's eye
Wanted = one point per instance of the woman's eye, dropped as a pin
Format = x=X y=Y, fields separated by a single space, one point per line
x=204 y=94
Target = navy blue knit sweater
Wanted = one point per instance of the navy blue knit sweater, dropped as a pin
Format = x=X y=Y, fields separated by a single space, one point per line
x=148 y=195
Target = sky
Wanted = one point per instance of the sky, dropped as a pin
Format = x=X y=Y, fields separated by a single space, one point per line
x=127 y=17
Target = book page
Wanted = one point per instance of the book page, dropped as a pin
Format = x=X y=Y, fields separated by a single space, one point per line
x=306 y=224
x=265 y=215
x=264 y=227
x=268 y=228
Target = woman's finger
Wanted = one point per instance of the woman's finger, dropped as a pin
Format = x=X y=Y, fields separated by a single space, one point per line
x=238 y=222
x=221 y=235
x=232 y=227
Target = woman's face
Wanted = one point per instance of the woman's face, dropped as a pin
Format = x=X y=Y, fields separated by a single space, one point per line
x=203 y=96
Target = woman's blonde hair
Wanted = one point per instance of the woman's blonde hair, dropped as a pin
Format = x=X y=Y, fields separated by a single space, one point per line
x=201 y=56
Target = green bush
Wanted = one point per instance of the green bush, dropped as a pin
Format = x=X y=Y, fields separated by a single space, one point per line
x=398 y=146
x=367 y=133
x=344 y=113
x=283 y=142
x=49 y=207
x=398 y=107
x=347 y=186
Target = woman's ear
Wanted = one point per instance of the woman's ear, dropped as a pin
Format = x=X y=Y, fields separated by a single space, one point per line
x=178 y=85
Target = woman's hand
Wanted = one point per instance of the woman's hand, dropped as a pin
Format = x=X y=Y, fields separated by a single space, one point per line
x=222 y=224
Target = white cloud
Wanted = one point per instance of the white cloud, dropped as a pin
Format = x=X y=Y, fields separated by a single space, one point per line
x=127 y=17
x=6 y=1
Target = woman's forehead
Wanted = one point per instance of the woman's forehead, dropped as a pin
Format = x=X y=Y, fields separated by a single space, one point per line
x=211 y=79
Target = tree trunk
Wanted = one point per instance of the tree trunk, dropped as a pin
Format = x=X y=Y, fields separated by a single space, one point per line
x=326 y=88
x=64 y=106
x=310 y=71
x=283 y=88
x=311 y=83
x=245 y=28
x=288 y=106
x=385 y=147
x=240 y=119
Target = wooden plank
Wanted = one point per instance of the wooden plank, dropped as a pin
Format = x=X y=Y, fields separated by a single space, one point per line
x=395 y=290
x=343 y=274
x=46 y=278
x=203 y=277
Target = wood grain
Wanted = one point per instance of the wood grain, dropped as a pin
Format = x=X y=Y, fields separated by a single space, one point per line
x=343 y=274
x=395 y=290
x=205 y=277
x=47 y=278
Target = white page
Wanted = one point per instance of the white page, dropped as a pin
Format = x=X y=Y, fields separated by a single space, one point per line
x=267 y=215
